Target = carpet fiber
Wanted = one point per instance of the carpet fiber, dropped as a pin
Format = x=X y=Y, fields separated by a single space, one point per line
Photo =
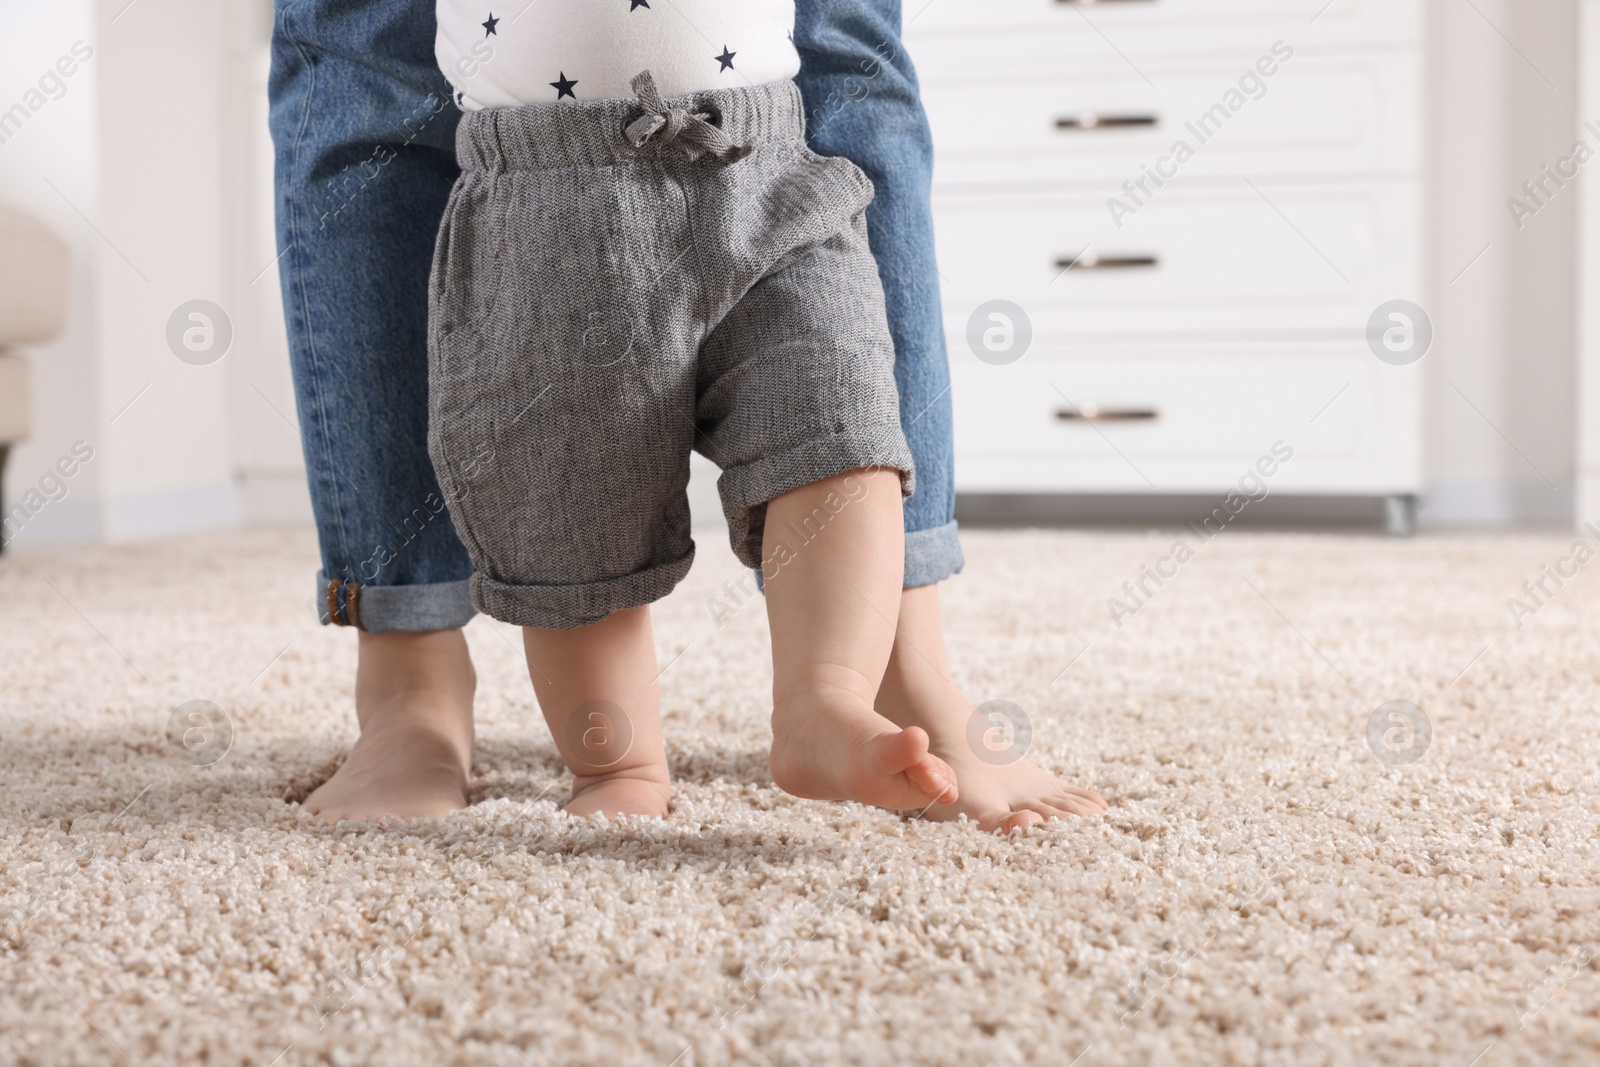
x=1265 y=889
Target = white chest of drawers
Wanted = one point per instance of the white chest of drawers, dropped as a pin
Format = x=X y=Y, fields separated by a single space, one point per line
x=1197 y=205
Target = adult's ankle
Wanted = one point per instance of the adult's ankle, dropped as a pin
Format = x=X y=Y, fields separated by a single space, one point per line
x=437 y=653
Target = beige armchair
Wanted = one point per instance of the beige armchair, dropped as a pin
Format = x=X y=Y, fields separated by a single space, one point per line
x=35 y=277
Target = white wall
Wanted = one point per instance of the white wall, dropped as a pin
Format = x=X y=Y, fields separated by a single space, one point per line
x=270 y=470
x=56 y=147
x=160 y=143
x=162 y=179
x=1501 y=438
x=160 y=153
x=1588 y=274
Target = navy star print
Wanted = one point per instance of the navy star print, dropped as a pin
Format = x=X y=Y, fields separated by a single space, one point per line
x=726 y=59
x=489 y=27
x=564 y=87
x=634 y=5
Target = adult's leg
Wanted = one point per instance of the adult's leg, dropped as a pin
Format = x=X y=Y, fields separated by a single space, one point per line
x=862 y=102
x=363 y=128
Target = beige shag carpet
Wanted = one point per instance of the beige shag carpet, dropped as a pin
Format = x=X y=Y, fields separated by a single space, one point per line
x=1265 y=890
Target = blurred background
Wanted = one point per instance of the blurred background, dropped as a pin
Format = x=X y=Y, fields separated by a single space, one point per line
x=1174 y=234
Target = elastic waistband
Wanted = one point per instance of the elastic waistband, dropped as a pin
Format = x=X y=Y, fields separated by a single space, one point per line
x=589 y=133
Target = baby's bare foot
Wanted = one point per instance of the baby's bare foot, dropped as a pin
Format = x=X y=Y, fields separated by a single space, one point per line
x=643 y=791
x=828 y=744
x=596 y=687
x=414 y=756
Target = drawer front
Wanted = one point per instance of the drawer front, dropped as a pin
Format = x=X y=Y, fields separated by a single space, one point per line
x=1315 y=115
x=1122 y=31
x=1291 y=259
x=1187 y=421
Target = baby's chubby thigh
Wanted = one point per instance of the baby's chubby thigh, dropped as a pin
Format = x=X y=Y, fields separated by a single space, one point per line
x=586 y=480
x=563 y=425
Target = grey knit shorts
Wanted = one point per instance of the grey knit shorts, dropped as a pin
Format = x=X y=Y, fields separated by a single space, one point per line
x=601 y=306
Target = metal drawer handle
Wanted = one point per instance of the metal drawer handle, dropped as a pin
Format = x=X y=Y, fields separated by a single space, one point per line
x=1093 y=120
x=1094 y=261
x=1096 y=413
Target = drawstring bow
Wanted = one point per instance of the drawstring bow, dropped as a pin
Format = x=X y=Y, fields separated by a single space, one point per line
x=692 y=133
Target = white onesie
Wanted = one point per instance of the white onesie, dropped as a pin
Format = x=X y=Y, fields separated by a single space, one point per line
x=540 y=51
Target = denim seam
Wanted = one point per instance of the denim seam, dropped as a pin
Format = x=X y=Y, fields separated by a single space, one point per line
x=453 y=490
x=305 y=304
x=462 y=591
x=440 y=351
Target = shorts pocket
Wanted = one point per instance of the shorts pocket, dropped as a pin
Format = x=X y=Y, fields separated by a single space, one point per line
x=845 y=176
x=464 y=446
x=469 y=261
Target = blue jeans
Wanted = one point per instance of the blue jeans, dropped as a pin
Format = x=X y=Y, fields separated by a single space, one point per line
x=364 y=131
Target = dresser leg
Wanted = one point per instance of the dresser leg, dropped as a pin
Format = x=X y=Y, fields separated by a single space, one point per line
x=5 y=454
x=1400 y=515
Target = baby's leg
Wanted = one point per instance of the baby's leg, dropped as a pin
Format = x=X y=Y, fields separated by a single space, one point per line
x=833 y=558
x=596 y=687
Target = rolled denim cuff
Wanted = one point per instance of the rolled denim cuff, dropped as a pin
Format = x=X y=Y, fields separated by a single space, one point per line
x=932 y=555
x=379 y=608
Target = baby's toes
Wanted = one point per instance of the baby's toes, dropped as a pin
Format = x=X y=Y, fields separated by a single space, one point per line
x=934 y=777
x=896 y=753
x=902 y=774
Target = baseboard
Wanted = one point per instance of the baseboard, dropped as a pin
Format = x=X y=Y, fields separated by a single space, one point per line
x=1486 y=502
x=59 y=524
x=1444 y=504
x=1586 y=505
x=1279 y=510
x=275 y=499
x=145 y=515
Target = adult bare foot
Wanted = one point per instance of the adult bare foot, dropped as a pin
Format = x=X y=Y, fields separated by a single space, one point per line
x=1000 y=793
x=414 y=706
x=1009 y=797
x=829 y=745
